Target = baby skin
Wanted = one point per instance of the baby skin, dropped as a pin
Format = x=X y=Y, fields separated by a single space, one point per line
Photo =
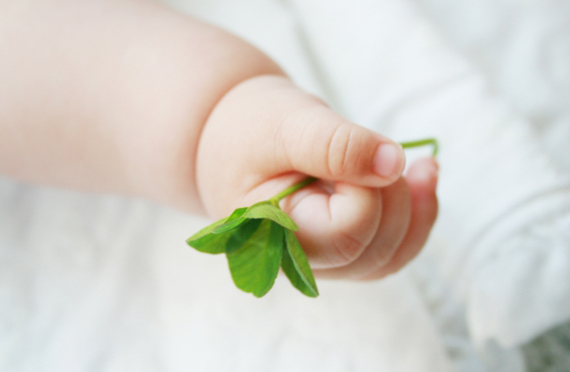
x=131 y=97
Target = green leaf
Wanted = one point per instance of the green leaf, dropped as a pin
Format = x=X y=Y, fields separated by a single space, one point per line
x=206 y=230
x=267 y=210
x=236 y=214
x=255 y=266
x=295 y=279
x=296 y=266
x=205 y=241
x=211 y=243
x=228 y=241
x=241 y=235
x=232 y=221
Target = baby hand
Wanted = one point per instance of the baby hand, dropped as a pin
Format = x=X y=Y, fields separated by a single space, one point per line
x=363 y=220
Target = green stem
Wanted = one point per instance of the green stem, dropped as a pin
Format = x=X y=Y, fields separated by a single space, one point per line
x=427 y=141
x=407 y=145
x=288 y=191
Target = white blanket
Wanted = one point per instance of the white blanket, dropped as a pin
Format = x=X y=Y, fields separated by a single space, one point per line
x=498 y=189
x=107 y=284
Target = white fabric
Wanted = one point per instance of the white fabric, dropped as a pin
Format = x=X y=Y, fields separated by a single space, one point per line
x=393 y=73
x=107 y=284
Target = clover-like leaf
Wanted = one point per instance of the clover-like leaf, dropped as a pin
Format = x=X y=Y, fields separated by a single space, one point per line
x=255 y=265
x=240 y=235
x=266 y=209
x=296 y=266
x=234 y=220
x=293 y=275
x=207 y=242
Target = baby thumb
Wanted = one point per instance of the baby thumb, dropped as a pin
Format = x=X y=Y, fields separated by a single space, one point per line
x=321 y=143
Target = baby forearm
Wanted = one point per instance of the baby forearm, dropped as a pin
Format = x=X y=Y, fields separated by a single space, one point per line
x=112 y=95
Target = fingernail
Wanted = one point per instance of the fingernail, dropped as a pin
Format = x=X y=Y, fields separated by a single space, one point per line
x=388 y=160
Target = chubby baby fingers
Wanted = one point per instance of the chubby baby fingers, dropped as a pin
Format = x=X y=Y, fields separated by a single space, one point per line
x=422 y=182
x=335 y=228
x=394 y=223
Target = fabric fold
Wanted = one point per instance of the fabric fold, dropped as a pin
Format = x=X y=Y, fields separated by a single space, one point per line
x=394 y=73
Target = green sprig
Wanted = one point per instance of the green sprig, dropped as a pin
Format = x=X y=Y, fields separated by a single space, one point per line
x=423 y=142
x=259 y=239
